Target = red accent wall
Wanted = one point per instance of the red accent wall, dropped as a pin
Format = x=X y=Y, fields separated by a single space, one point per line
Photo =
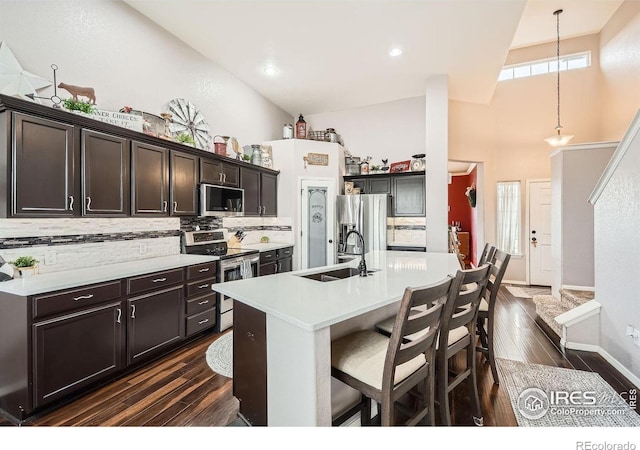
x=473 y=180
x=459 y=209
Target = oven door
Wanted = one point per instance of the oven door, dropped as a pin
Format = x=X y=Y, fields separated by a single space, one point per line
x=231 y=270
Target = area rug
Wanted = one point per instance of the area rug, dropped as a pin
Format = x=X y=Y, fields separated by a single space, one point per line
x=545 y=396
x=528 y=292
x=220 y=355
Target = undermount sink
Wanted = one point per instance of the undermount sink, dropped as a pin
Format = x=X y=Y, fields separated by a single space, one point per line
x=336 y=274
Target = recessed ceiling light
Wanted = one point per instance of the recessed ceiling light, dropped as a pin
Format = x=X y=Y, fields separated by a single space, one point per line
x=395 y=52
x=270 y=70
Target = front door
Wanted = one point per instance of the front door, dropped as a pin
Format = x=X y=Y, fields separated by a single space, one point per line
x=317 y=247
x=540 y=263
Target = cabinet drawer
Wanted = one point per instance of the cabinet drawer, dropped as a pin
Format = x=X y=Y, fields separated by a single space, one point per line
x=46 y=305
x=284 y=252
x=266 y=257
x=199 y=322
x=201 y=270
x=199 y=304
x=156 y=280
x=199 y=287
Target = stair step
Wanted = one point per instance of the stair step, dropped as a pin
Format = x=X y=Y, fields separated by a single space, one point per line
x=574 y=297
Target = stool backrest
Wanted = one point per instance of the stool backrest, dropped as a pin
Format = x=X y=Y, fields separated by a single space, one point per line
x=499 y=264
x=487 y=254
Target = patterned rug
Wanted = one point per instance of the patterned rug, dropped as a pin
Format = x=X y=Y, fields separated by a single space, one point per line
x=528 y=292
x=220 y=355
x=545 y=396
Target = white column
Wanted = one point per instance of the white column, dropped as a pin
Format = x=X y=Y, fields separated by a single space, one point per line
x=437 y=155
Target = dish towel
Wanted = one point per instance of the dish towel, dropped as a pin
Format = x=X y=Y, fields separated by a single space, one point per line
x=245 y=269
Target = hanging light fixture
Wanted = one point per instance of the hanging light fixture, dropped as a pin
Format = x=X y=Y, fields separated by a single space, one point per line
x=558 y=139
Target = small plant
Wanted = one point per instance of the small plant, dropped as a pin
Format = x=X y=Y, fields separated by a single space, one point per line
x=375 y=168
x=246 y=157
x=185 y=138
x=25 y=261
x=73 y=105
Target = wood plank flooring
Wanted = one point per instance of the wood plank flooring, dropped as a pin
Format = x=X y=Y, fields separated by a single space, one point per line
x=181 y=390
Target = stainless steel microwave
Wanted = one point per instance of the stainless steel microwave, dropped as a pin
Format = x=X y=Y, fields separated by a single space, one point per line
x=221 y=200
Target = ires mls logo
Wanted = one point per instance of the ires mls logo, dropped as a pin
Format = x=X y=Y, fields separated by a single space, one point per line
x=534 y=403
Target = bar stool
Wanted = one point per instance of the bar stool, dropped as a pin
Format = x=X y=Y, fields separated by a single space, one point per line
x=384 y=369
x=487 y=254
x=485 y=323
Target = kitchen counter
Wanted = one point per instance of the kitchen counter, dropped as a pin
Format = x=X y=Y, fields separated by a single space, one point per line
x=265 y=247
x=49 y=282
x=302 y=316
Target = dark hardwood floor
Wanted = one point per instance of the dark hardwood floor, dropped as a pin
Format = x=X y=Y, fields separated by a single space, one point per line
x=181 y=390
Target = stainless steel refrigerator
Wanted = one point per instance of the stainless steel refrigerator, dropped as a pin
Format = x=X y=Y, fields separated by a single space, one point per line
x=366 y=213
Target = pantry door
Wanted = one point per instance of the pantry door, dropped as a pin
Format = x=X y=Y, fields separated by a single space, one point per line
x=317 y=223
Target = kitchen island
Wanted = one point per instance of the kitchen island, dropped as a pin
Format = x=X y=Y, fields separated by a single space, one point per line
x=284 y=325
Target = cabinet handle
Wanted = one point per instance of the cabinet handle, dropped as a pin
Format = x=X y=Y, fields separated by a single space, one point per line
x=206 y=269
x=164 y=206
x=264 y=210
x=259 y=209
x=159 y=280
x=88 y=203
x=82 y=297
x=71 y=202
x=175 y=206
x=224 y=177
x=250 y=335
x=119 y=315
x=133 y=311
x=220 y=177
x=279 y=267
x=203 y=321
x=202 y=286
x=204 y=302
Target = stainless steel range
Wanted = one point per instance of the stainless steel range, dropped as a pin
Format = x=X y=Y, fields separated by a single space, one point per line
x=234 y=264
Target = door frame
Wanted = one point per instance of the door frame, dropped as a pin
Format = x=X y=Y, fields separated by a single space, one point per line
x=527 y=227
x=331 y=185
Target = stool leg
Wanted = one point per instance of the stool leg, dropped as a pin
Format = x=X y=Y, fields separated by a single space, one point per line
x=492 y=356
x=473 y=385
x=365 y=412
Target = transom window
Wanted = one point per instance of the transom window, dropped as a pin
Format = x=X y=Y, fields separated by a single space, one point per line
x=550 y=65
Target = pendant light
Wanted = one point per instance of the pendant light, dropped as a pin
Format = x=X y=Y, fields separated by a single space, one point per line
x=558 y=139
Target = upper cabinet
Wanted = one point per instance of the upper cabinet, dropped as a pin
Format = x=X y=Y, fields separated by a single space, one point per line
x=260 y=192
x=218 y=172
x=184 y=184
x=105 y=174
x=149 y=180
x=44 y=155
x=406 y=191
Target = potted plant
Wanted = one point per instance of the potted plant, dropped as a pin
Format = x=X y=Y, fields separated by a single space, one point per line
x=375 y=169
x=73 y=105
x=185 y=138
x=26 y=266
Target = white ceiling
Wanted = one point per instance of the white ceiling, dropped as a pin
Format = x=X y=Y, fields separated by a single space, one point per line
x=334 y=55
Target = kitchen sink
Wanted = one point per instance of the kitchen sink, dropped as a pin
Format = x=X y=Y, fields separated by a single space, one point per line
x=336 y=274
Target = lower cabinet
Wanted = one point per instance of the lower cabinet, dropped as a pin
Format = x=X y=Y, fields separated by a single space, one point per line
x=154 y=321
x=250 y=363
x=75 y=350
x=276 y=261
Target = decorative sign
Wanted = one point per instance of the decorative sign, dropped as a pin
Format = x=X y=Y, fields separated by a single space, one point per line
x=124 y=120
x=400 y=166
x=318 y=159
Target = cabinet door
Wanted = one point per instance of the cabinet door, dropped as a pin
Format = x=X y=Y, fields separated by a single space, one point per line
x=44 y=168
x=380 y=185
x=184 y=184
x=154 y=321
x=284 y=265
x=268 y=268
x=210 y=171
x=409 y=196
x=361 y=183
x=105 y=174
x=250 y=362
x=269 y=194
x=75 y=350
x=230 y=175
x=250 y=182
x=149 y=180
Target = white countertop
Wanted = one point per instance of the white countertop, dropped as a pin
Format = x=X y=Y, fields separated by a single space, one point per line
x=265 y=247
x=48 y=282
x=312 y=305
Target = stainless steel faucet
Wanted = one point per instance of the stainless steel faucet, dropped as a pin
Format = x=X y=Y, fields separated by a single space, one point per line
x=362 y=267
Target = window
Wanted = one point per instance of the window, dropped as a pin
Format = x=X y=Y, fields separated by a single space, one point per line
x=531 y=68
x=508 y=224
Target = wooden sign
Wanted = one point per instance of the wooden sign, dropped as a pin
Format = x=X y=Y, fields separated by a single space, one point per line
x=318 y=159
x=129 y=121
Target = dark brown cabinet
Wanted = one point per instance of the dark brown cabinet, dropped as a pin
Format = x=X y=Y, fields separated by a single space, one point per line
x=184 y=184
x=154 y=321
x=75 y=350
x=45 y=174
x=201 y=299
x=149 y=180
x=105 y=174
x=260 y=192
x=408 y=196
x=218 y=172
x=276 y=261
x=250 y=363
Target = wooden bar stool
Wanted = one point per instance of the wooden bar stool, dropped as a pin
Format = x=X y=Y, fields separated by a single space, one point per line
x=384 y=369
x=485 y=323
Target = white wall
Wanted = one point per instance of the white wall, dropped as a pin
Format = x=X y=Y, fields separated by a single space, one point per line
x=130 y=61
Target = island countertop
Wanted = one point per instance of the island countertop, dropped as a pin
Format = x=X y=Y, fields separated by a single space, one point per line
x=312 y=305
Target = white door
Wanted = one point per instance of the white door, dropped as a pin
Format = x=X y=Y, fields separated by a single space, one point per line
x=317 y=223
x=540 y=263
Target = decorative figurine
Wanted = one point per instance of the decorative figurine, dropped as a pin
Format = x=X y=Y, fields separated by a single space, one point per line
x=75 y=91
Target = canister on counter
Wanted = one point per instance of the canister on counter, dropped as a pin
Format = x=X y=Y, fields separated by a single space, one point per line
x=287 y=131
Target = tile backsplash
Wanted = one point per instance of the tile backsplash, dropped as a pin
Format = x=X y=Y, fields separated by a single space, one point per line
x=407 y=231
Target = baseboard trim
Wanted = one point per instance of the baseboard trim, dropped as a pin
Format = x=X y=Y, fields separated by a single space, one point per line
x=579 y=288
x=521 y=283
x=619 y=367
x=580 y=346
